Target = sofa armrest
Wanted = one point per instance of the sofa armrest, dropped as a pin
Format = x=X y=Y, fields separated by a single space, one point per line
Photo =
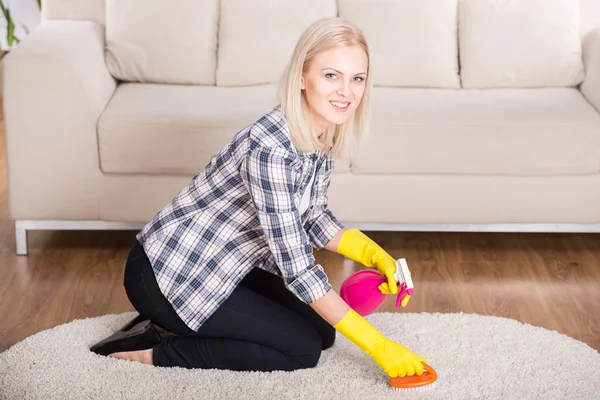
x=590 y=87
x=56 y=85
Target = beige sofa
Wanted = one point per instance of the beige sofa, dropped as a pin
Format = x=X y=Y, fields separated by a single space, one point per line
x=485 y=113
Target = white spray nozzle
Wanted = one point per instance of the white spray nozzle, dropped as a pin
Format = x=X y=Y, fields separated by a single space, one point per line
x=403 y=274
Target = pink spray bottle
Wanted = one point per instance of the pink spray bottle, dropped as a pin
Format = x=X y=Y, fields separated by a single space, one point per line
x=361 y=289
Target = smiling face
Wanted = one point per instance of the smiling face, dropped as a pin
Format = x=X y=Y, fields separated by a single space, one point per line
x=334 y=85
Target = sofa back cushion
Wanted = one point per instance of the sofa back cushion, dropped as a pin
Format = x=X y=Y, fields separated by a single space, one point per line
x=525 y=43
x=257 y=38
x=501 y=43
x=164 y=42
x=413 y=43
x=91 y=10
x=94 y=10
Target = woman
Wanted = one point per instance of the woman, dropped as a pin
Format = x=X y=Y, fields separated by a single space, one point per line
x=227 y=265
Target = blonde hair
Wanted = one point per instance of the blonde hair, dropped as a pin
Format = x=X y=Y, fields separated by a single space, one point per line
x=321 y=35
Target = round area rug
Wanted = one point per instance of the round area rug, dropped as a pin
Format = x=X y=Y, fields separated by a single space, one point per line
x=476 y=357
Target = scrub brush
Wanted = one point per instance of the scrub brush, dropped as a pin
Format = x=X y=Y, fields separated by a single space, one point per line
x=415 y=383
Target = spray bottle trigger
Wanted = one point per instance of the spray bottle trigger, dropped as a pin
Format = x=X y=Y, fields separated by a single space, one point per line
x=404 y=280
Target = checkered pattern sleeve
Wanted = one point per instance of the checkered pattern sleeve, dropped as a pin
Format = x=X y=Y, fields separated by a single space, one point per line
x=267 y=174
x=321 y=225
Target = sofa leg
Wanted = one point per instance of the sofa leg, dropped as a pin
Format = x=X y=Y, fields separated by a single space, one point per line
x=21 y=233
x=23 y=226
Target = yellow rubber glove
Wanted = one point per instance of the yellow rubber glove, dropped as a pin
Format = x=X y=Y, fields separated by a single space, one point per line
x=359 y=247
x=395 y=359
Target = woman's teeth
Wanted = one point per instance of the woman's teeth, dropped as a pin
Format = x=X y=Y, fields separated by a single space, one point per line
x=342 y=106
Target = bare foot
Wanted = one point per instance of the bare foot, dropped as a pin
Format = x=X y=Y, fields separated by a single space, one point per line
x=143 y=356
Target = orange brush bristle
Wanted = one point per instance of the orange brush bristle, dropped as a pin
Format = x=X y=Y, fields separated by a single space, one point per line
x=415 y=382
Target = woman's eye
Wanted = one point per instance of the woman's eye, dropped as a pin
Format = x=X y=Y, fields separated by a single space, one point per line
x=330 y=75
x=360 y=78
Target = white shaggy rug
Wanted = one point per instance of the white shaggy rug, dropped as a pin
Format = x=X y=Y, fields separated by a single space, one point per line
x=476 y=357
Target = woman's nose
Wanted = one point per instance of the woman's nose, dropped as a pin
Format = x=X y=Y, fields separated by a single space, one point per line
x=344 y=90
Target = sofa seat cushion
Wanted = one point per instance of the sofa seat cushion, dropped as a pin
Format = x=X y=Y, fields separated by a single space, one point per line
x=175 y=129
x=501 y=131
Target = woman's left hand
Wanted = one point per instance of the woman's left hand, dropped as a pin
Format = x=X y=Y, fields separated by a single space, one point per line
x=387 y=266
x=359 y=247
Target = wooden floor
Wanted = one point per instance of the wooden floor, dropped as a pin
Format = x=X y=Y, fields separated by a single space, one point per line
x=547 y=280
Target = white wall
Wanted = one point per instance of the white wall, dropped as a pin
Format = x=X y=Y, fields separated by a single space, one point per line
x=590 y=13
x=23 y=12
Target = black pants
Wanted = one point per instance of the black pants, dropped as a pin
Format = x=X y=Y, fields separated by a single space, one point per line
x=261 y=327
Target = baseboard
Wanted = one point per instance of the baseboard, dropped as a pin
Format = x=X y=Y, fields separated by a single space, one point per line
x=525 y=227
x=22 y=227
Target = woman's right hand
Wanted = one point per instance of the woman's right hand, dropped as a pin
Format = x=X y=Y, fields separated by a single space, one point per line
x=397 y=360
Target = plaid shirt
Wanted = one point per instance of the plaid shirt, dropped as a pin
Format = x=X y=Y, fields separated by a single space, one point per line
x=239 y=213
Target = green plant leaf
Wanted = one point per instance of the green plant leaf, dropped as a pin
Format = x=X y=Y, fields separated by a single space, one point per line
x=10 y=35
x=5 y=11
x=39 y=4
x=11 y=39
